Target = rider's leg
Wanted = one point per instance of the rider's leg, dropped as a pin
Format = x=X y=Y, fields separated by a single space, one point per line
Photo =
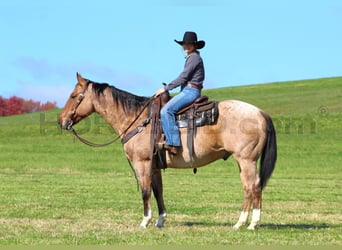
x=187 y=96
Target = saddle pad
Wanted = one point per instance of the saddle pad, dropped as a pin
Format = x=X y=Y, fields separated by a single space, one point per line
x=205 y=115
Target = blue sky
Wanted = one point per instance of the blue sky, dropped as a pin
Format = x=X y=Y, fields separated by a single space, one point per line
x=130 y=43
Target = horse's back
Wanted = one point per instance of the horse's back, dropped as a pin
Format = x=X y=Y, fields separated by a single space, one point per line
x=240 y=114
x=243 y=108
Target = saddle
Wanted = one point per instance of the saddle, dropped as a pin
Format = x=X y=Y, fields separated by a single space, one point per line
x=201 y=112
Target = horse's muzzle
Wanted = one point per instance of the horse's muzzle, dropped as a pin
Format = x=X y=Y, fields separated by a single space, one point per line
x=67 y=124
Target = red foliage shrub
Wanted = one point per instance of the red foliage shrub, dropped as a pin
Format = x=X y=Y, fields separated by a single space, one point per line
x=16 y=105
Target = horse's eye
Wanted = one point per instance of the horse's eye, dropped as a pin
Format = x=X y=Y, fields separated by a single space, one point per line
x=73 y=96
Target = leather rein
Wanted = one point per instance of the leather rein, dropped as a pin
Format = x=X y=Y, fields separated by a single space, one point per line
x=138 y=129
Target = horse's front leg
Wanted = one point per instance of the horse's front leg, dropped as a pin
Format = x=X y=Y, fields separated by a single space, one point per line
x=146 y=196
x=143 y=170
x=157 y=186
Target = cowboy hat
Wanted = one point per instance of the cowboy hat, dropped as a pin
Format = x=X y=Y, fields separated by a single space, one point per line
x=191 y=37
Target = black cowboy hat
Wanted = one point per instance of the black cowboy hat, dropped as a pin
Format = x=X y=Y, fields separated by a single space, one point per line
x=191 y=37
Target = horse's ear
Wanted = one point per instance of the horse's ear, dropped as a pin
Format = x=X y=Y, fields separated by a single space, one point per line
x=80 y=79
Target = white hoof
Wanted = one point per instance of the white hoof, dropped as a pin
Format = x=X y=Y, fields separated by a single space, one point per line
x=144 y=223
x=242 y=220
x=161 y=220
x=255 y=219
x=238 y=225
x=252 y=226
x=142 y=226
x=146 y=220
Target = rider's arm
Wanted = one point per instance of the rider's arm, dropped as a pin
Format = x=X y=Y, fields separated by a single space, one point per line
x=189 y=68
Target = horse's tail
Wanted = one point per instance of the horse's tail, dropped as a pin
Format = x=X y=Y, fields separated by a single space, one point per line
x=269 y=152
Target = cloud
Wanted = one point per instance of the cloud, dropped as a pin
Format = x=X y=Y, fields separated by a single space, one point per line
x=43 y=92
x=59 y=92
x=54 y=82
x=43 y=71
x=40 y=69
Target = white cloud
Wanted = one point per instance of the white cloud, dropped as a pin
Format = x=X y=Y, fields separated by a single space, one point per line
x=54 y=82
x=40 y=69
x=58 y=93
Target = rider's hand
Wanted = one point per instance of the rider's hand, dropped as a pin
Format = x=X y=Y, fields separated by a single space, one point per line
x=159 y=92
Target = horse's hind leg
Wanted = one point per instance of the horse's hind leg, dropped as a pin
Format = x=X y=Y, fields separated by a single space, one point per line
x=256 y=196
x=252 y=193
x=157 y=187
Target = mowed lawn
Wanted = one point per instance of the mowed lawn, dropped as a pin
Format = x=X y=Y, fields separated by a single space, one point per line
x=55 y=190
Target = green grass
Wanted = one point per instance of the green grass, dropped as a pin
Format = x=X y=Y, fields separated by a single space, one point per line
x=55 y=190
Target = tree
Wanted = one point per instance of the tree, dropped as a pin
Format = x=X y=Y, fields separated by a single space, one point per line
x=31 y=106
x=15 y=106
x=48 y=105
x=3 y=106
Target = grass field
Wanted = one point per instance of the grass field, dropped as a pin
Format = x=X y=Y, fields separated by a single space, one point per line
x=55 y=190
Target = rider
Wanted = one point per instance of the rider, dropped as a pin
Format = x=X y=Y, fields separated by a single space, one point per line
x=191 y=83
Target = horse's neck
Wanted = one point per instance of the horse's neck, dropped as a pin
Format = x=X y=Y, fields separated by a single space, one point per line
x=114 y=114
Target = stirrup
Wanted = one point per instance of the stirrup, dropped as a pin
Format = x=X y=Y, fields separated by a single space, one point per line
x=172 y=149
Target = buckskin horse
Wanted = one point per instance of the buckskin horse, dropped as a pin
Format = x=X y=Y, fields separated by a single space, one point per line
x=241 y=130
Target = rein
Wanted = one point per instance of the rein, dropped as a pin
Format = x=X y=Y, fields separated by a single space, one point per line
x=92 y=144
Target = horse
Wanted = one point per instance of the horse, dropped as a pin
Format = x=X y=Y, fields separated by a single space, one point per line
x=242 y=130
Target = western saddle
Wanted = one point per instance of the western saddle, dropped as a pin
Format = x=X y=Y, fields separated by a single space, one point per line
x=200 y=113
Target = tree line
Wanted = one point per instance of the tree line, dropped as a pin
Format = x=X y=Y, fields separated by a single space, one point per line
x=16 y=105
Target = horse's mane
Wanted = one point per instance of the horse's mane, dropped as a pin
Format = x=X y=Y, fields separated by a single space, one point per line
x=129 y=101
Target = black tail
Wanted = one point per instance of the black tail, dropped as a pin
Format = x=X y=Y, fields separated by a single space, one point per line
x=269 y=152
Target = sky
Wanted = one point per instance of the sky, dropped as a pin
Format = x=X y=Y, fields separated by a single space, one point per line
x=130 y=43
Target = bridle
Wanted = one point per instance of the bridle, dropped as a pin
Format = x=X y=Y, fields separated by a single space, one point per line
x=92 y=144
x=79 y=100
x=125 y=136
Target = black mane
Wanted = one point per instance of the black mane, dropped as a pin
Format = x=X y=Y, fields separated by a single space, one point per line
x=129 y=102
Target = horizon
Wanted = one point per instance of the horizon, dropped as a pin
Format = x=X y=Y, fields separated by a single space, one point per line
x=223 y=87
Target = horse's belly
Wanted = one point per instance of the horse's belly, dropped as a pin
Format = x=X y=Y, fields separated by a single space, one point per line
x=182 y=160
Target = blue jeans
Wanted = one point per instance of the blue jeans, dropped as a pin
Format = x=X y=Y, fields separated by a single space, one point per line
x=187 y=96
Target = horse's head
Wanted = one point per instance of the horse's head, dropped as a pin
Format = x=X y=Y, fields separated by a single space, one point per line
x=78 y=106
